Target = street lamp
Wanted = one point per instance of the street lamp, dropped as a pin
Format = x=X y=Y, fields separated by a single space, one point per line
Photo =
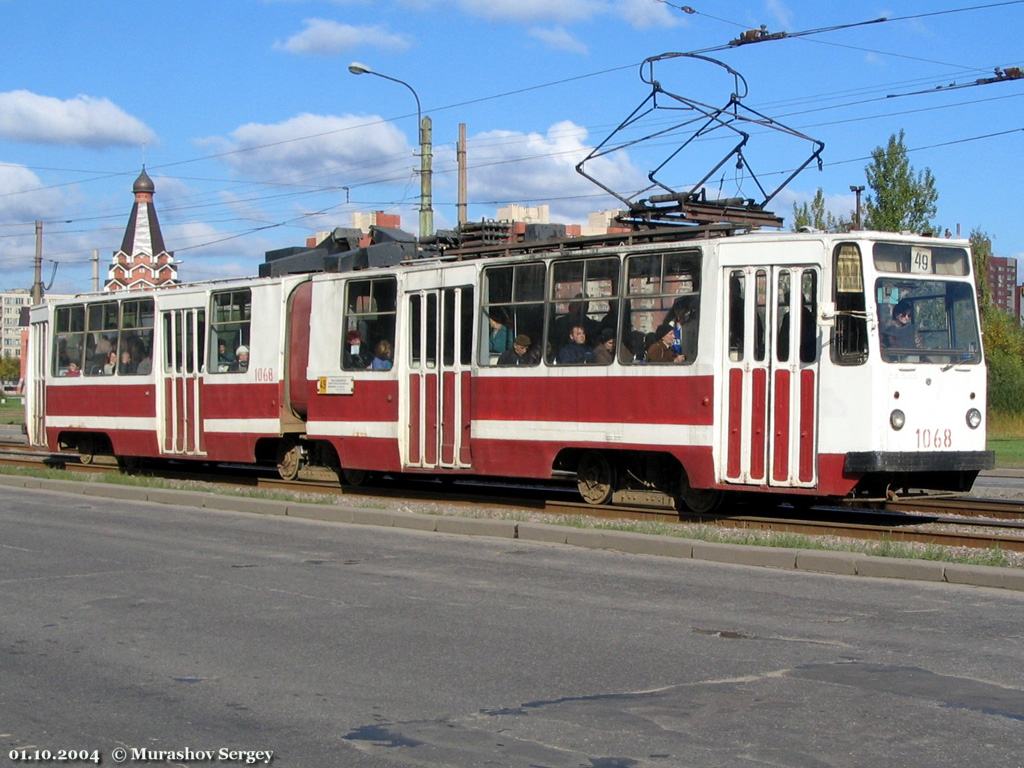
x=857 y=190
x=424 y=123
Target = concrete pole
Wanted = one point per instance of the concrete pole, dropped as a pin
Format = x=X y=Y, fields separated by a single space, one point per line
x=426 y=201
x=96 y=269
x=37 y=285
x=463 y=192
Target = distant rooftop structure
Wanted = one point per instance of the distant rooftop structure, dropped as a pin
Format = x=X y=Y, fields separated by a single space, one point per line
x=142 y=262
x=528 y=214
x=365 y=219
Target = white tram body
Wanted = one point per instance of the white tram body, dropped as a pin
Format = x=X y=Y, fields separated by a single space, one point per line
x=786 y=369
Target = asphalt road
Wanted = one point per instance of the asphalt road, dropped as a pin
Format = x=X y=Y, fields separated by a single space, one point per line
x=144 y=627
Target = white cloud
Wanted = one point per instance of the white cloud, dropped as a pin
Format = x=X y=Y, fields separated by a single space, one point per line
x=646 y=14
x=318 y=149
x=511 y=166
x=534 y=10
x=558 y=38
x=83 y=121
x=325 y=37
x=21 y=198
x=783 y=16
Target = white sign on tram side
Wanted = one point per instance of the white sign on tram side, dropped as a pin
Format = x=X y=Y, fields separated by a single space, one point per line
x=335 y=385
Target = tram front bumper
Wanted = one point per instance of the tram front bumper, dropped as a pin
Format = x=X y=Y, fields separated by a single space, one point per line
x=867 y=462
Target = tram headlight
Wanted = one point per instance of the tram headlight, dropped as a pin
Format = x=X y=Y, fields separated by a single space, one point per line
x=897 y=419
x=974 y=418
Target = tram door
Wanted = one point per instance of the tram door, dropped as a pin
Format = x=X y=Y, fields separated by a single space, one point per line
x=770 y=382
x=184 y=342
x=36 y=395
x=439 y=326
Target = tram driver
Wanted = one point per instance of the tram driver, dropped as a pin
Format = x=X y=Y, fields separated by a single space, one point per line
x=901 y=334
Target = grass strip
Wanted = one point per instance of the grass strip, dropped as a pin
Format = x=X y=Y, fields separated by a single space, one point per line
x=992 y=556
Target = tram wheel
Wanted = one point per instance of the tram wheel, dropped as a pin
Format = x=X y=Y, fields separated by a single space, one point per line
x=128 y=465
x=699 y=501
x=595 y=478
x=354 y=477
x=289 y=460
x=86 y=450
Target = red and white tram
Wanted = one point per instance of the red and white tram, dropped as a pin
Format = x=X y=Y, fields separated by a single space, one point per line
x=786 y=368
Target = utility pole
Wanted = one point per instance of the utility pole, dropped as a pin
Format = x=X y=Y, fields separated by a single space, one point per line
x=96 y=270
x=856 y=217
x=37 y=285
x=426 y=202
x=460 y=154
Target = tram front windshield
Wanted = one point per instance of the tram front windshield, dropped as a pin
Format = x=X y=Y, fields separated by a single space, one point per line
x=927 y=321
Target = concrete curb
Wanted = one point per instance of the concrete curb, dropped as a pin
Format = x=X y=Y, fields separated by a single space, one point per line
x=811 y=560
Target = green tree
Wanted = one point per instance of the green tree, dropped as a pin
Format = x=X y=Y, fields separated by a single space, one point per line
x=10 y=368
x=815 y=215
x=901 y=200
x=981 y=252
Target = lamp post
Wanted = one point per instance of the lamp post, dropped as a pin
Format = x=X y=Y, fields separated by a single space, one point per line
x=856 y=217
x=424 y=123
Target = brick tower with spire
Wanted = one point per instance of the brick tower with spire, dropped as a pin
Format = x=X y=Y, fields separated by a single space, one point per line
x=142 y=262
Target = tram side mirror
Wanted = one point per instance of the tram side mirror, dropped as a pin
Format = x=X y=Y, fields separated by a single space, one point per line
x=827 y=314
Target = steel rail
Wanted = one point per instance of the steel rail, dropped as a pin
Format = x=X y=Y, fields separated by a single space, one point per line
x=829 y=521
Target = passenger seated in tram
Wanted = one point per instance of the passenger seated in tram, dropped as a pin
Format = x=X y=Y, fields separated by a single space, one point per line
x=140 y=354
x=355 y=356
x=224 y=358
x=500 y=337
x=576 y=352
x=241 y=364
x=99 y=357
x=110 y=366
x=520 y=354
x=126 y=365
x=661 y=351
x=72 y=369
x=604 y=350
x=382 y=355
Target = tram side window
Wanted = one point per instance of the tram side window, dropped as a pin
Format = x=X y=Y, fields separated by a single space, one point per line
x=850 y=332
x=464 y=295
x=662 y=294
x=737 y=283
x=136 y=345
x=69 y=340
x=807 y=329
x=101 y=339
x=512 y=307
x=368 y=338
x=584 y=310
x=230 y=326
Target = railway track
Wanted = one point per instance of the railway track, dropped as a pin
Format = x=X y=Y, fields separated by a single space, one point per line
x=948 y=521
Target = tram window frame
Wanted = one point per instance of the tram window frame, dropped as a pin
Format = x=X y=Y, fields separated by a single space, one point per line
x=586 y=305
x=675 y=299
x=514 y=295
x=68 y=334
x=137 y=316
x=849 y=334
x=102 y=325
x=371 y=309
x=231 y=322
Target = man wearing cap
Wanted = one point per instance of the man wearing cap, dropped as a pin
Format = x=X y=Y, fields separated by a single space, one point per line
x=661 y=350
x=519 y=354
x=604 y=352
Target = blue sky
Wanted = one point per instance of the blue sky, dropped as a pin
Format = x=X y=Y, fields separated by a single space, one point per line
x=251 y=126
